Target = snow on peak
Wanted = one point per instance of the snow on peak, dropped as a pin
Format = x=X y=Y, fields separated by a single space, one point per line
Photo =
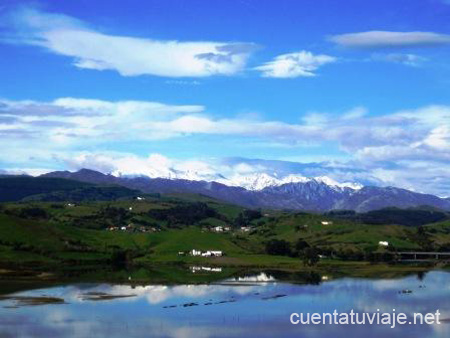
x=253 y=181
x=259 y=181
x=332 y=183
x=295 y=179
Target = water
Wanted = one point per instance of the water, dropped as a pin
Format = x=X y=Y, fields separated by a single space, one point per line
x=258 y=306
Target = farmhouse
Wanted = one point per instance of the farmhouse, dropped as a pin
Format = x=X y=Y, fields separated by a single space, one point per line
x=383 y=243
x=208 y=253
x=326 y=223
x=220 y=228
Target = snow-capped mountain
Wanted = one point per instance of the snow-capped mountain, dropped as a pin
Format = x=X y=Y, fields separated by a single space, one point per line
x=267 y=191
x=252 y=182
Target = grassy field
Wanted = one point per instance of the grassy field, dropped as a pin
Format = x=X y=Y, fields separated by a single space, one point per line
x=339 y=234
x=72 y=238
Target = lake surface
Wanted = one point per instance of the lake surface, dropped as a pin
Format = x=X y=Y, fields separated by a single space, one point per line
x=253 y=306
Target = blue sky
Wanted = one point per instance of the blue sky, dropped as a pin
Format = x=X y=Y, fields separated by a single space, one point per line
x=360 y=89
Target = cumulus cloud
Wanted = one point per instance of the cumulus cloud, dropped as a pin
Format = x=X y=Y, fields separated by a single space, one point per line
x=130 y=56
x=386 y=39
x=291 y=65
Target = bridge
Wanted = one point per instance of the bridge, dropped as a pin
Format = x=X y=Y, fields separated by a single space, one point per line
x=423 y=255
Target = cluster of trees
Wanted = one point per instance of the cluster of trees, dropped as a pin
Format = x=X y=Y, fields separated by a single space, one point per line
x=184 y=214
x=301 y=249
x=105 y=217
x=245 y=217
x=28 y=212
x=122 y=257
x=114 y=215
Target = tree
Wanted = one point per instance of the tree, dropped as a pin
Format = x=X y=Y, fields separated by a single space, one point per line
x=423 y=238
x=421 y=231
x=300 y=246
x=33 y=212
x=245 y=217
x=310 y=256
x=278 y=247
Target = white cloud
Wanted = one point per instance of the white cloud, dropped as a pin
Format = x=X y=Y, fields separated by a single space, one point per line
x=299 y=64
x=154 y=165
x=130 y=56
x=381 y=39
x=405 y=59
x=71 y=122
x=355 y=113
x=37 y=133
x=418 y=175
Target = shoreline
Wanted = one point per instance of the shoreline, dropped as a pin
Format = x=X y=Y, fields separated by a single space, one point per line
x=176 y=274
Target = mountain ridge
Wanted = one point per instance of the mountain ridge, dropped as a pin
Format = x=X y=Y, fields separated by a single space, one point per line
x=312 y=195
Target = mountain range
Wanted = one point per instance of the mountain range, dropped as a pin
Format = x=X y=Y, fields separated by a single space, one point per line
x=262 y=190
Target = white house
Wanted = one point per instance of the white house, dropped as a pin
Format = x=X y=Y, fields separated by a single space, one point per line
x=383 y=243
x=326 y=223
x=245 y=229
x=140 y=198
x=218 y=229
x=194 y=252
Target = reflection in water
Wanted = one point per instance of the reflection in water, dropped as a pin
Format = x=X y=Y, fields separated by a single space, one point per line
x=253 y=306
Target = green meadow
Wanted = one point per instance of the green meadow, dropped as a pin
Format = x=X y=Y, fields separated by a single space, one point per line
x=103 y=238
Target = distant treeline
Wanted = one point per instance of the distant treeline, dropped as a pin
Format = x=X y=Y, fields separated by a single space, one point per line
x=408 y=217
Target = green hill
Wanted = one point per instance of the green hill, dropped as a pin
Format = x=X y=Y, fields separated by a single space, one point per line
x=155 y=228
x=15 y=188
x=27 y=188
